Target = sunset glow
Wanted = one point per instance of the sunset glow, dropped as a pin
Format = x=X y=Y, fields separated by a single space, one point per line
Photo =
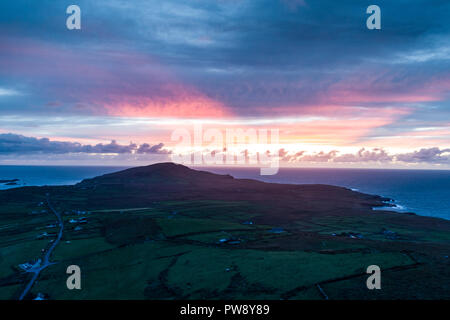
x=139 y=82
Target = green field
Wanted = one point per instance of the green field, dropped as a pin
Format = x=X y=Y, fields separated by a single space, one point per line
x=219 y=248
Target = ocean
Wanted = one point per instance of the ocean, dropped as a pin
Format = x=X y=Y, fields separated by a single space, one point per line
x=424 y=192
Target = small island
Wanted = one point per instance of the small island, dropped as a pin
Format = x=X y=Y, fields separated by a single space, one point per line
x=11 y=182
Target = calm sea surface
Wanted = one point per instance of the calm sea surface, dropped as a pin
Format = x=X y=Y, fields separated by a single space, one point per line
x=425 y=192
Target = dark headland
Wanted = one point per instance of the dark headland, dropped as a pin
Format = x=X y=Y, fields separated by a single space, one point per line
x=166 y=231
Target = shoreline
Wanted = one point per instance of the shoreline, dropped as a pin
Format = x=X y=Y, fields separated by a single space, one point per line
x=407 y=200
x=390 y=204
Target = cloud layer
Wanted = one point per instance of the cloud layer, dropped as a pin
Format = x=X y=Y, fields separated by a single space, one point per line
x=14 y=144
x=211 y=58
x=433 y=155
x=17 y=144
x=312 y=61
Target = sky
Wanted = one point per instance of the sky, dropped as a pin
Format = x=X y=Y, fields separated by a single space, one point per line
x=114 y=92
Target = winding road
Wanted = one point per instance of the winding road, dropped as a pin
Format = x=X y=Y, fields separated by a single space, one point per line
x=46 y=260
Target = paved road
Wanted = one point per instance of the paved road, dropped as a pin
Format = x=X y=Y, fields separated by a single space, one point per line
x=46 y=260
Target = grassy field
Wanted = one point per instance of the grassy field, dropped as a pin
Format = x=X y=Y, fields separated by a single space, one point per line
x=169 y=253
x=219 y=249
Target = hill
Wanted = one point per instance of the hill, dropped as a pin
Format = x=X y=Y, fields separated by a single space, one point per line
x=169 y=181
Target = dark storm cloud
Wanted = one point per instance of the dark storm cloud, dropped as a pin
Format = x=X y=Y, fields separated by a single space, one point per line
x=433 y=155
x=18 y=144
x=427 y=155
x=255 y=57
x=146 y=148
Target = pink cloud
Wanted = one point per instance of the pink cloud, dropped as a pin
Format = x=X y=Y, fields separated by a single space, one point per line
x=181 y=103
x=99 y=81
